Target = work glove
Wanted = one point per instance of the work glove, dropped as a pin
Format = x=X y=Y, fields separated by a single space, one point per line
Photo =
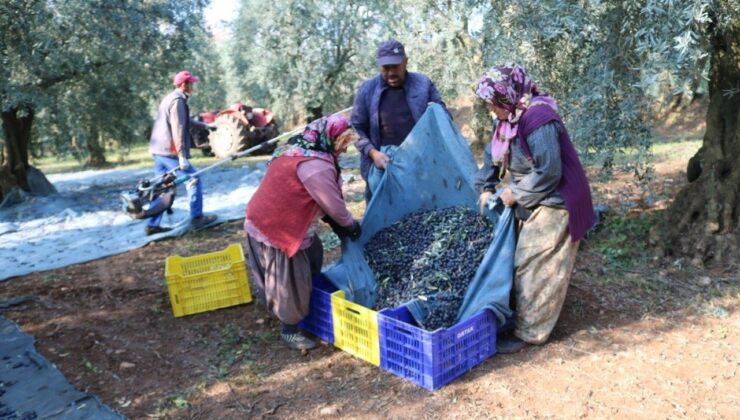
x=184 y=164
x=353 y=232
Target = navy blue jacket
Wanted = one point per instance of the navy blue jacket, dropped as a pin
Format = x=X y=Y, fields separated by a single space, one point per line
x=420 y=90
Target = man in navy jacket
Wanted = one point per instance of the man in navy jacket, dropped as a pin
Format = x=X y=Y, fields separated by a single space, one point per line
x=388 y=106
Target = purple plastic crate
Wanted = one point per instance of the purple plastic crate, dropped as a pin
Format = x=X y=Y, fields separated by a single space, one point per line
x=319 y=321
x=434 y=359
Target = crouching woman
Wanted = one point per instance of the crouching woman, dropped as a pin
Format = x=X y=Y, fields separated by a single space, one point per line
x=302 y=185
x=549 y=192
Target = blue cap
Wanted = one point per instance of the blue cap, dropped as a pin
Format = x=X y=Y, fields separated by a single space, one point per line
x=391 y=52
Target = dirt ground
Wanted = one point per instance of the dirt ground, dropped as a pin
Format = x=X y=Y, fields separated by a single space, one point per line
x=639 y=337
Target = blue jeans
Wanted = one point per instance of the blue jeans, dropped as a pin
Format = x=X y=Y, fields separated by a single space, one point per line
x=164 y=164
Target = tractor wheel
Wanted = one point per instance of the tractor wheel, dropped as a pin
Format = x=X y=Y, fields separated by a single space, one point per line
x=229 y=138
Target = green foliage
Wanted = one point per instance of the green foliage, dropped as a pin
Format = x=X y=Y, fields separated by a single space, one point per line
x=623 y=241
x=235 y=349
x=442 y=42
x=607 y=63
x=205 y=62
x=92 y=72
x=305 y=57
x=180 y=403
x=90 y=366
x=329 y=240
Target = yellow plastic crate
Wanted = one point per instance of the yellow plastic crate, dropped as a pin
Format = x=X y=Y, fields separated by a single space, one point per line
x=206 y=282
x=355 y=328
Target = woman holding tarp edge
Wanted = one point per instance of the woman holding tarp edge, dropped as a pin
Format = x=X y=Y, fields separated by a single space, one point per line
x=549 y=192
x=301 y=185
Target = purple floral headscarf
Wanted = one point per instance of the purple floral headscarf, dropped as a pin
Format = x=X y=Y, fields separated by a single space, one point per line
x=508 y=87
x=511 y=88
x=317 y=139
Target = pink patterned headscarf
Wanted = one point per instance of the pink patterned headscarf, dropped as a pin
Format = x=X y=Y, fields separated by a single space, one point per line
x=317 y=139
x=331 y=126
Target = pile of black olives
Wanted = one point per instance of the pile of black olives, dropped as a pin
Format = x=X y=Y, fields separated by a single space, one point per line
x=432 y=255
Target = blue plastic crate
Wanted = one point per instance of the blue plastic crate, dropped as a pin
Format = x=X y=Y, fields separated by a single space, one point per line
x=434 y=359
x=319 y=320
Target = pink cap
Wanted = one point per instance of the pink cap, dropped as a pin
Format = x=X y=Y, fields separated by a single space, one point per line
x=184 y=77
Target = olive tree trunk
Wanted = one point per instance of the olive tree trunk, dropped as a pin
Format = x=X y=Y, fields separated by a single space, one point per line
x=15 y=171
x=314 y=112
x=96 y=151
x=17 y=128
x=702 y=223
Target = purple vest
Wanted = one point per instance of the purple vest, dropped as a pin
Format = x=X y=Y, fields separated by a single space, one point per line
x=573 y=185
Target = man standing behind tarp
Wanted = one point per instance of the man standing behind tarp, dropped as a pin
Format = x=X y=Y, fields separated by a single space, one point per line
x=388 y=106
x=170 y=148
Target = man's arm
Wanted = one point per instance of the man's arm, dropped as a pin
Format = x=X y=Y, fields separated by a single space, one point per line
x=435 y=97
x=360 y=121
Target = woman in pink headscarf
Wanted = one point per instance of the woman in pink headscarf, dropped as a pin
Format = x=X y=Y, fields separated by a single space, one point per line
x=301 y=186
x=549 y=193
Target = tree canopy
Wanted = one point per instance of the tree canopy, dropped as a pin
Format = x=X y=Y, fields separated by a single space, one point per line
x=607 y=63
x=89 y=71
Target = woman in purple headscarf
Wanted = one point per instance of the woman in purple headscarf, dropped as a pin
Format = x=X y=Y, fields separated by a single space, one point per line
x=549 y=192
x=302 y=185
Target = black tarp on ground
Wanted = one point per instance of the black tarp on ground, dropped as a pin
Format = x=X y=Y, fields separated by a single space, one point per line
x=31 y=387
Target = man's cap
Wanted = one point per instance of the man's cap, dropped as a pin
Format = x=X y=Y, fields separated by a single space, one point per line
x=183 y=77
x=390 y=52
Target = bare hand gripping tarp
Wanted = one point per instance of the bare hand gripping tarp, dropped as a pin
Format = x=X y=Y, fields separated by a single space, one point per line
x=31 y=387
x=432 y=169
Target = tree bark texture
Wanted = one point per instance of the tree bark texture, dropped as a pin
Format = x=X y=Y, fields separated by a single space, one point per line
x=314 y=112
x=16 y=172
x=702 y=223
x=96 y=151
x=17 y=128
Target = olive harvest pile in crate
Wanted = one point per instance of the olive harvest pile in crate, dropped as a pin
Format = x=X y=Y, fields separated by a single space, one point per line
x=432 y=255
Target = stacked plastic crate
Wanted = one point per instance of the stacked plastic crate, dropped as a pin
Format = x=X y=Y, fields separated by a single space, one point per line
x=392 y=340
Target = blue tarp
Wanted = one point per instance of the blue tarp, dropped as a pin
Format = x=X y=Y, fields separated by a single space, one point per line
x=432 y=169
x=31 y=387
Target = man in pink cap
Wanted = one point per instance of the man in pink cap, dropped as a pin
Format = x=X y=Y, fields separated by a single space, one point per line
x=169 y=145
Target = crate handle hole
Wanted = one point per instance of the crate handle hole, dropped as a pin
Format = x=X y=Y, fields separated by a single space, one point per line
x=354 y=311
x=404 y=330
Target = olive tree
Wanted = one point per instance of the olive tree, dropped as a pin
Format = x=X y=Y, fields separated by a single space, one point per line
x=305 y=57
x=87 y=70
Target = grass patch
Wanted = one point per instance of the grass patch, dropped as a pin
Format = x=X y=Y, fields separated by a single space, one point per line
x=178 y=401
x=235 y=349
x=675 y=150
x=623 y=241
x=679 y=151
x=90 y=366
x=136 y=157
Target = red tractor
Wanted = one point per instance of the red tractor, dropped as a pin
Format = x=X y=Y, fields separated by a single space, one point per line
x=236 y=128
